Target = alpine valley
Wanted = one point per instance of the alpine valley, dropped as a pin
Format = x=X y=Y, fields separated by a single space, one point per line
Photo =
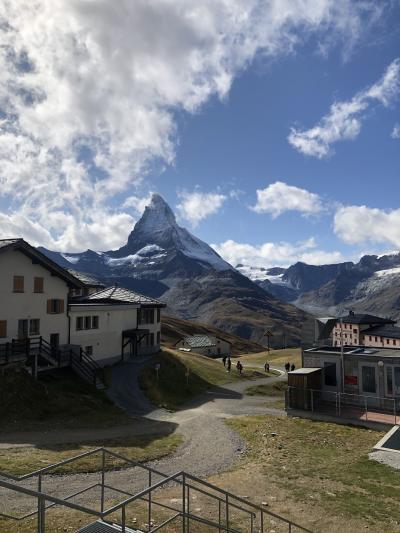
x=165 y=261
x=372 y=285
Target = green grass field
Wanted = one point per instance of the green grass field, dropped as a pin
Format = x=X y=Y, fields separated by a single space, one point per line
x=183 y=376
x=274 y=358
x=58 y=401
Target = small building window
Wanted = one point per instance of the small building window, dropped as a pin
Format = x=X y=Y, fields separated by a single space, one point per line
x=95 y=322
x=387 y=341
x=158 y=315
x=394 y=342
x=18 y=284
x=330 y=374
x=151 y=339
x=158 y=337
x=89 y=350
x=79 y=323
x=55 y=306
x=376 y=339
x=3 y=328
x=34 y=326
x=88 y=322
x=38 y=285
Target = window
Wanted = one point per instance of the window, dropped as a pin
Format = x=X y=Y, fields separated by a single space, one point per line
x=387 y=341
x=3 y=328
x=368 y=379
x=394 y=342
x=88 y=322
x=151 y=339
x=89 y=350
x=55 y=306
x=370 y=338
x=34 y=326
x=392 y=380
x=158 y=337
x=389 y=380
x=95 y=322
x=38 y=284
x=354 y=331
x=18 y=283
x=79 y=323
x=158 y=315
x=146 y=316
x=330 y=374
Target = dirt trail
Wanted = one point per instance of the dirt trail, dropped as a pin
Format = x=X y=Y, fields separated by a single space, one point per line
x=208 y=447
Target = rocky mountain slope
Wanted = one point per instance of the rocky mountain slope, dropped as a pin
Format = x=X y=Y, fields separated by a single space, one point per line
x=173 y=329
x=163 y=260
x=372 y=284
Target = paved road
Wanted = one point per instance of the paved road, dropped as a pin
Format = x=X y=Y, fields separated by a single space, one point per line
x=208 y=447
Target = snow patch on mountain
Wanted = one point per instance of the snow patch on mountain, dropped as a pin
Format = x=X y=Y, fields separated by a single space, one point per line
x=389 y=272
x=151 y=251
x=73 y=259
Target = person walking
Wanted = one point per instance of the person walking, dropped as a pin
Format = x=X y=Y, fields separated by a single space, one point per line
x=228 y=364
x=287 y=367
x=239 y=367
x=266 y=367
x=292 y=367
x=224 y=360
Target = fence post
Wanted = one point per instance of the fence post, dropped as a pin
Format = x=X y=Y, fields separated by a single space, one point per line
x=183 y=503
x=262 y=521
x=394 y=409
x=123 y=528
x=103 y=466
x=339 y=404
x=188 y=510
x=366 y=407
x=312 y=401
x=41 y=515
x=227 y=511
x=219 y=515
x=149 y=509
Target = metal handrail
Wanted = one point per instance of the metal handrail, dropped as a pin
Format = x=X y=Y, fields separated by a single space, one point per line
x=227 y=496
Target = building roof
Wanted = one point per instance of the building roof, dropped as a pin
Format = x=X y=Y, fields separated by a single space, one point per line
x=392 y=332
x=119 y=295
x=365 y=319
x=199 y=341
x=359 y=351
x=37 y=257
x=87 y=279
x=304 y=371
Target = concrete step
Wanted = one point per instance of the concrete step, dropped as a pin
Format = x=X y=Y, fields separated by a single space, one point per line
x=102 y=527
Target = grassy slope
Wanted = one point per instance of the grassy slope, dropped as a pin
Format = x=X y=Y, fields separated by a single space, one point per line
x=173 y=387
x=55 y=401
x=173 y=329
x=326 y=464
x=275 y=357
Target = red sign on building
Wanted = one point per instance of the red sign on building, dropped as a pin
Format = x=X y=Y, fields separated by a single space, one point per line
x=350 y=380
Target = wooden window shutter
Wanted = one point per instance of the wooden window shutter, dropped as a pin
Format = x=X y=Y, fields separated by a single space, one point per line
x=49 y=306
x=3 y=328
x=38 y=285
x=18 y=283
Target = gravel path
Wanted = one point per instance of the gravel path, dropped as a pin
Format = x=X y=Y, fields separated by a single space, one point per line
x=208 y=447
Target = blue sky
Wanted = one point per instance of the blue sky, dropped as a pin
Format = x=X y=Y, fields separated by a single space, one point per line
x=221 y=102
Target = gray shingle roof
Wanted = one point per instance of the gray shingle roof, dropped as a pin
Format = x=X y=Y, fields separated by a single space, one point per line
x=121 y=295
x=85 y=278
x=366 y=319
x=199 y=341
x=392 y=332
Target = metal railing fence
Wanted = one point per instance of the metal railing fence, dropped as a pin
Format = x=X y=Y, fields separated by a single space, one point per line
x=227 y=505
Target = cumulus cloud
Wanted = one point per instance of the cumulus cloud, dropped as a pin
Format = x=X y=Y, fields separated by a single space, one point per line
x=280 y=197
x=344 y=120
x=88 y=92
x=396 y=132
x=196 y=206
x=360 y=224
x=272 y=254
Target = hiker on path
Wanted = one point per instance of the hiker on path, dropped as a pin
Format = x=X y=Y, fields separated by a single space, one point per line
x=266 y=367
x=239 y=367
x=229 y=364
x=292 y=367
x=224 y=360
x=287 y=367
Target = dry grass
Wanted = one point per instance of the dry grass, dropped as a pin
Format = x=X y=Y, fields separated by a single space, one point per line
x=317 y=473
x=275 y=357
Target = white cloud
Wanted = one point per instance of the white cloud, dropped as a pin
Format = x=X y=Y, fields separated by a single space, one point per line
x=359 y=224
x=396 y=132
x=88 y=91
x=272 y=254
x=196 y=206
x=344 y=120
x=280 y=197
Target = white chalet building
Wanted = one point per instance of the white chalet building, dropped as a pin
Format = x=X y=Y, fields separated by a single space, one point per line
x=41 y=300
